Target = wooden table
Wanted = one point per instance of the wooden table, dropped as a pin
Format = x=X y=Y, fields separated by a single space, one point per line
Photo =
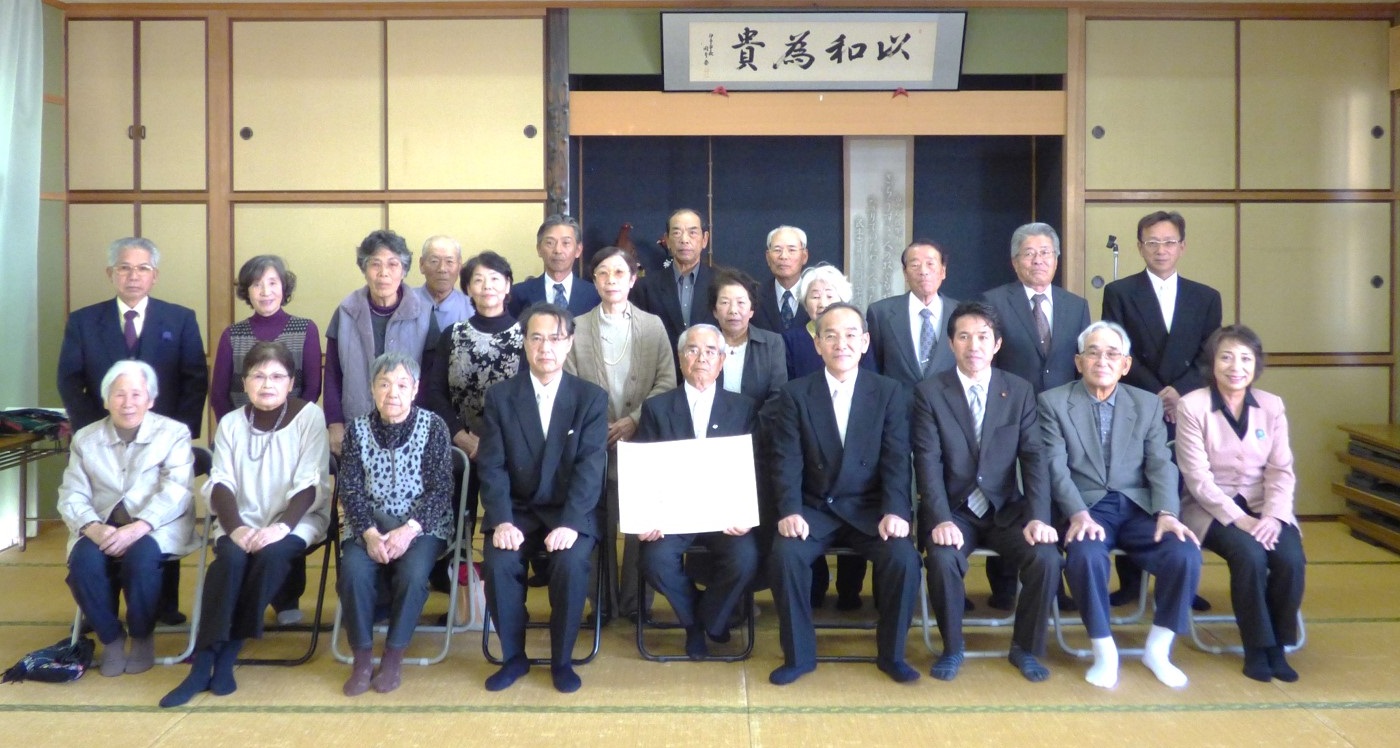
x=18 y=450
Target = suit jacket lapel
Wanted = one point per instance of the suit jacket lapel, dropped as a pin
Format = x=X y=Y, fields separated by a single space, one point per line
x=823 y=418
x=680 y=413
x=151 y=332
x=1062 y=330
x=1123 y=427
x=903 y=333
x=559 y=424
x=1151 y=310
x=995 y=411
x=527 y=412
x=956 y=400
x=1086 y=427
x=110 y=331
x=1021 y=310
x=860 y=423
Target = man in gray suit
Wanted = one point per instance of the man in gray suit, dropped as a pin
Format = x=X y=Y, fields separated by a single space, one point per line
x=1112 y=477
x=904 y=342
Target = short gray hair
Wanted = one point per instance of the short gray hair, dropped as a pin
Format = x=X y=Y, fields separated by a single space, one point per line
x=443 y=239
x=387 y=362
x=827 y=274
x=114 y=250
x=1112 y=327
x=1021 y=234
x=383 y=239
x=558 y=219
x=801 y=235
x=684 y=337
x=130 y=366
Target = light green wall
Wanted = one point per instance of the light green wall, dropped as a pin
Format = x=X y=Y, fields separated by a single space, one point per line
x=53 y=238
x=998 y=42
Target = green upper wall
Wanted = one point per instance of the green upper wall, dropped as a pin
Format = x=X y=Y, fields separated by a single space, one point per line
x=997 y=42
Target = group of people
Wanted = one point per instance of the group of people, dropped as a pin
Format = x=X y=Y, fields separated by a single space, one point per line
x=911 y=434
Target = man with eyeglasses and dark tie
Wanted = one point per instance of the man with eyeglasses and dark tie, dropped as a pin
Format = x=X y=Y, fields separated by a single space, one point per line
x=1168 y=318
x=787 y=258
x=1038 y=343
x=559 y=245
x=134 y=325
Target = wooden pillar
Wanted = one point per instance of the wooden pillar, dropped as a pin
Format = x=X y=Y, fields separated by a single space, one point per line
x=556 y=104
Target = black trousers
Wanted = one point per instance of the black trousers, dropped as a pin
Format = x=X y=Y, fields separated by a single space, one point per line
x=504 y=574
x=733 y=563
x=239 y=586
x=1266 y=587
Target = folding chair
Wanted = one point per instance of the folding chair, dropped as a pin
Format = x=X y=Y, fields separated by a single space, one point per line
x=745 y=602
x=458 y=548
x=1198 y=619
x=600 y=556
x=202 y=461
x=330 y=550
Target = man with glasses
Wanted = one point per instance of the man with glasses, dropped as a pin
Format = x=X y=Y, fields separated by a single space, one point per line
x=542 y=459
x=136 y=326
x=787 y=258
x=699 y=409
x=1168 y=318
x=133 y=325
x=1040 y=324
x=1113 y=480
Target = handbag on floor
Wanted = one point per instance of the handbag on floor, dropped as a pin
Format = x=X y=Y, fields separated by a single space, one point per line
x=58 y=663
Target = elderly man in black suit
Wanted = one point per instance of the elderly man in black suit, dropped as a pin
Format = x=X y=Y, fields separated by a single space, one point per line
x=904 y=329
x=779 y=307
x=972 y=425
x=1041 y=322
x=557 y=243
x=542 y=457
x=134 y=325
x=699 y=409
x=679 y=294
x=1112 y=477
x=841 y=459
x=1168 y=318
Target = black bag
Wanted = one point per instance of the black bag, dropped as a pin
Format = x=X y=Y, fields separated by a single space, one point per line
x=59 y=663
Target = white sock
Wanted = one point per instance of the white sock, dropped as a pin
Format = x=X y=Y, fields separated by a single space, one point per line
x=1157 y=657
x=1104 y=672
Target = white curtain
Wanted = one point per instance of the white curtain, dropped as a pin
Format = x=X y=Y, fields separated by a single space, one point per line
x=21 y=124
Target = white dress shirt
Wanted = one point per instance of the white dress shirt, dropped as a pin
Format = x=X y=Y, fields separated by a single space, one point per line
x=568 y=284
x=544 y=398
x=1166 y=296
x=734 y=366
x=841 y=399
x=1048 y=305
x=916 y=321
x=701 y=405
x=139 y=321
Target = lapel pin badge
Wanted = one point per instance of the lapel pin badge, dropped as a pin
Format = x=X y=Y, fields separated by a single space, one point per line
x=571 y=433
x=1259 y=433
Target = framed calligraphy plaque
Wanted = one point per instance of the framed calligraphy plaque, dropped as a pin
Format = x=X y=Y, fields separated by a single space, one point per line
x=812 y=51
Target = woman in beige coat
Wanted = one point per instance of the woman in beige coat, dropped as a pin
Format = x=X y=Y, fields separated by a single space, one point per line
x=624 y=350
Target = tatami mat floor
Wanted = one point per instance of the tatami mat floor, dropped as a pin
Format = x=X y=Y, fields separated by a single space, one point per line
x=1349 y=694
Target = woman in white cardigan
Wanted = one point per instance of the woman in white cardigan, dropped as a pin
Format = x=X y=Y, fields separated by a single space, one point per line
x=269 y=490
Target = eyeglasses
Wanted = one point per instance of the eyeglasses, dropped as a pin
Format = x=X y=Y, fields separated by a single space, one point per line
x=1037 y=254
x=537 y=340
x=275 y=377
x=1112 y=355
x=784 y=250
x=143 y=269
x=696 y=352
x=1156 y=244
x=603 y=274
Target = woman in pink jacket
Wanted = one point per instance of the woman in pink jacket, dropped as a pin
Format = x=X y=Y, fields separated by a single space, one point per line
x=1232 y=447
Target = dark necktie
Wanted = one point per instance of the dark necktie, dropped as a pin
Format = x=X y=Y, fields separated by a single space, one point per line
x=559 y=298
x=1042 y=324
x=433 y=330
x=788 y=311
x=927 y=337
x=129 y=331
